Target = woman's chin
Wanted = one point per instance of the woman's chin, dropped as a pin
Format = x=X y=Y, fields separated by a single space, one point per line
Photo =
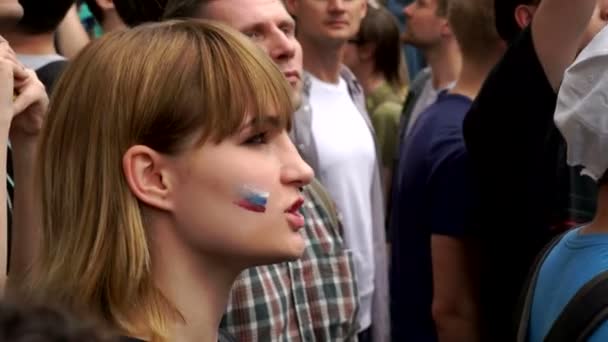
x=289 y=250
x=296 y=251
x=296 y=247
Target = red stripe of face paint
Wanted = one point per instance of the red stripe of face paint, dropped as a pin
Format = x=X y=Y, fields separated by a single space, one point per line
x=250 y=206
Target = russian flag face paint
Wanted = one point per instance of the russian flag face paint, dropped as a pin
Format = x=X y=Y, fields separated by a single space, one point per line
x=252 y=199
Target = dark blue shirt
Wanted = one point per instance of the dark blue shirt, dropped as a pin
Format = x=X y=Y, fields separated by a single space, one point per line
x=431 y=197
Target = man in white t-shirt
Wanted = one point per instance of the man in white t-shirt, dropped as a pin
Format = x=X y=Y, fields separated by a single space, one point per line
x=347 y=162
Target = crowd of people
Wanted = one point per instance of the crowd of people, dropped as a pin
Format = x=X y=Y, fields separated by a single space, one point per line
x=269 y=170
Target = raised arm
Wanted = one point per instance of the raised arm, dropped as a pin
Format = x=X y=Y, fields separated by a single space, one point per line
x=71 y=35
x=557 y=31
x=30 y=107
x=23 y=105
x=6 y=113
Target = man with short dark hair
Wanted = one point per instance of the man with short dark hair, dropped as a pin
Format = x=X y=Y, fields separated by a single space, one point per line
x=136 y=12
x=42 y=17
x=576 y=197
x=512 y=16
x=33 y=38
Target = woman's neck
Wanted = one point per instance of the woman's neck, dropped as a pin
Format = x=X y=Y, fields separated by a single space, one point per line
x=198 y=287
x=370 y=79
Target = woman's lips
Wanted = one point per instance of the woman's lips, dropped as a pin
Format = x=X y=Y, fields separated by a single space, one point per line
x=294 y=218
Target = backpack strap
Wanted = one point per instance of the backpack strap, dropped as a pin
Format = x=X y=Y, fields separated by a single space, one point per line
x=583 y=313
x=525 y=303
x=327 y=203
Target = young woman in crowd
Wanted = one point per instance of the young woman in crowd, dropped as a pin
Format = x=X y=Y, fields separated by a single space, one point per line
x=375 y=56
x=165 y=169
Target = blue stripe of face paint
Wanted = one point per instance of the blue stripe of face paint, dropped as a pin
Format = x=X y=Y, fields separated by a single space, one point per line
x=257 y=199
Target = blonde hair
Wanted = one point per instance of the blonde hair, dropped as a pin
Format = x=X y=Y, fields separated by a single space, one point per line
x=158 y=85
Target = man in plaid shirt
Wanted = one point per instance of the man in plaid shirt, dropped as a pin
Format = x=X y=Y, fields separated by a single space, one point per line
x=314 y=298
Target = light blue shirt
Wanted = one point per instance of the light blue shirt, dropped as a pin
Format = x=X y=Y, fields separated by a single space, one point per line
x=575 y=260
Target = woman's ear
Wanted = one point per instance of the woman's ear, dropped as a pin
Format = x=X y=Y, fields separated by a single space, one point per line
x=363 y=9
x=445 y=28
x=366 y=51
x=148 y=176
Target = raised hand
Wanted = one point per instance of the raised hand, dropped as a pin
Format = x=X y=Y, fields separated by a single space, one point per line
x=9 y=67
x=23 y=93
x=30 y=105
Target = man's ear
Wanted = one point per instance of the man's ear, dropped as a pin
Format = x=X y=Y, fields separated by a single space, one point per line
x=524 y=15
x=292 y=6
x=148 y=176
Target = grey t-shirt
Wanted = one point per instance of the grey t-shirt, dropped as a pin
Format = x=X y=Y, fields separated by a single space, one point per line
x=427 y=97
x=38 y=61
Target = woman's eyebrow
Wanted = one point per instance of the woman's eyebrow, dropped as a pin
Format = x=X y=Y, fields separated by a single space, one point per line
x=266 y=121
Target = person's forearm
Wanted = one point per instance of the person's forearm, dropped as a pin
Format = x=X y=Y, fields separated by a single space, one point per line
x=557 y=29
x=575 y=13
x=455 y=306
x=457 y=328
x=72 y=36
x=4 y=129
x=27 y=211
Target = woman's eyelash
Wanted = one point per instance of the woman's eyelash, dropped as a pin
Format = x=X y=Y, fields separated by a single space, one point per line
x=256 y=139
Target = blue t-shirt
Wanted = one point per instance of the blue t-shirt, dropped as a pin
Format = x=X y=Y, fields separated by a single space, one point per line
x=575 y=260
x=431 y=196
